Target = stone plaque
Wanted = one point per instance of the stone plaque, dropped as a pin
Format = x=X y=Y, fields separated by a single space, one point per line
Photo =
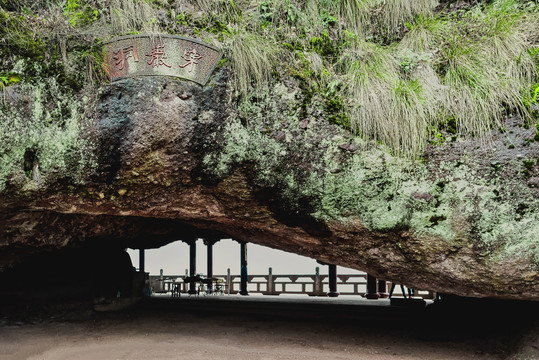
x=167 y=55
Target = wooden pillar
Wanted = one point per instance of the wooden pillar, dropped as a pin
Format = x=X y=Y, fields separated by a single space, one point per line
x=209 y=247
x=332 y=273
x=372 y=288
x=382 y=289
x=318 y=283
x=192 y=266
x=243 y=261
x=141 y=265
x=270 y=288
x=209 y=274
x=229 y=284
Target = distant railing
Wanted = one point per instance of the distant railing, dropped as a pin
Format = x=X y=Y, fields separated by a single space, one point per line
x=271 y=284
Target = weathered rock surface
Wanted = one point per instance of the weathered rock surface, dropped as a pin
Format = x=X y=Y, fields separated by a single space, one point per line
x=178 y=161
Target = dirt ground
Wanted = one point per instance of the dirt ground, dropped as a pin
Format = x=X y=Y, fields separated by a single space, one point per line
x=198 y=329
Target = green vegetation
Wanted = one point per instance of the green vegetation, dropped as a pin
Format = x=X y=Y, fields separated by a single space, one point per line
x=80 y=15
x=55 y=70
x=252 y=59
x=489 y=72
x=401 y=68
x=8 y=79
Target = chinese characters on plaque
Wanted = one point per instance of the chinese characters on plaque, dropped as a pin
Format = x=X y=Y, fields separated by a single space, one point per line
x=192 y=57
x=158 y=56
x=166 y=55
x=121 y=55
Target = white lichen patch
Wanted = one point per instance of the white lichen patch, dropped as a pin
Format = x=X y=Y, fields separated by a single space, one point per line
x=53 y=132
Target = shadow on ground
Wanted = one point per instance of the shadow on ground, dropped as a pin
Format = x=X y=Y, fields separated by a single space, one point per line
x=466 y=328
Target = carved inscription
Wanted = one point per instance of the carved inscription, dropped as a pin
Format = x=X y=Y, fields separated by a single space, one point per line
x=165 y=55
x=121 y=55
x=192 y=57
x=158 y=56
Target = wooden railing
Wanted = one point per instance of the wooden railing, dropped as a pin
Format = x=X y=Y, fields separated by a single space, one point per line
x=271 y=284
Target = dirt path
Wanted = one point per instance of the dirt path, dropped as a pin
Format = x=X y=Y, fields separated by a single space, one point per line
x=186 y=332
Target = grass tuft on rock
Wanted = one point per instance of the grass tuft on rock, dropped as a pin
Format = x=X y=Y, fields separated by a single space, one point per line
x=252 y=60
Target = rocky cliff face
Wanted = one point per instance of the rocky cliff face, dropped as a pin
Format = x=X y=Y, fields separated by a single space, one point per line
x=396 y=137
x=162 y=159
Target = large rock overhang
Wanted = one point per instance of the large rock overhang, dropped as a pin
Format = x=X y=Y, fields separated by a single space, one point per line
x=175 y=161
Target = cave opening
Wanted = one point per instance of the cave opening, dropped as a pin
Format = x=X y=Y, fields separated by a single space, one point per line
x=222 y=258
x=101 y=260
x=95 y=258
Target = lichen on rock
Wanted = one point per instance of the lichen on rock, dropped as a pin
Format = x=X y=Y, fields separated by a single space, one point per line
x=454 y=197
x=51 y=124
